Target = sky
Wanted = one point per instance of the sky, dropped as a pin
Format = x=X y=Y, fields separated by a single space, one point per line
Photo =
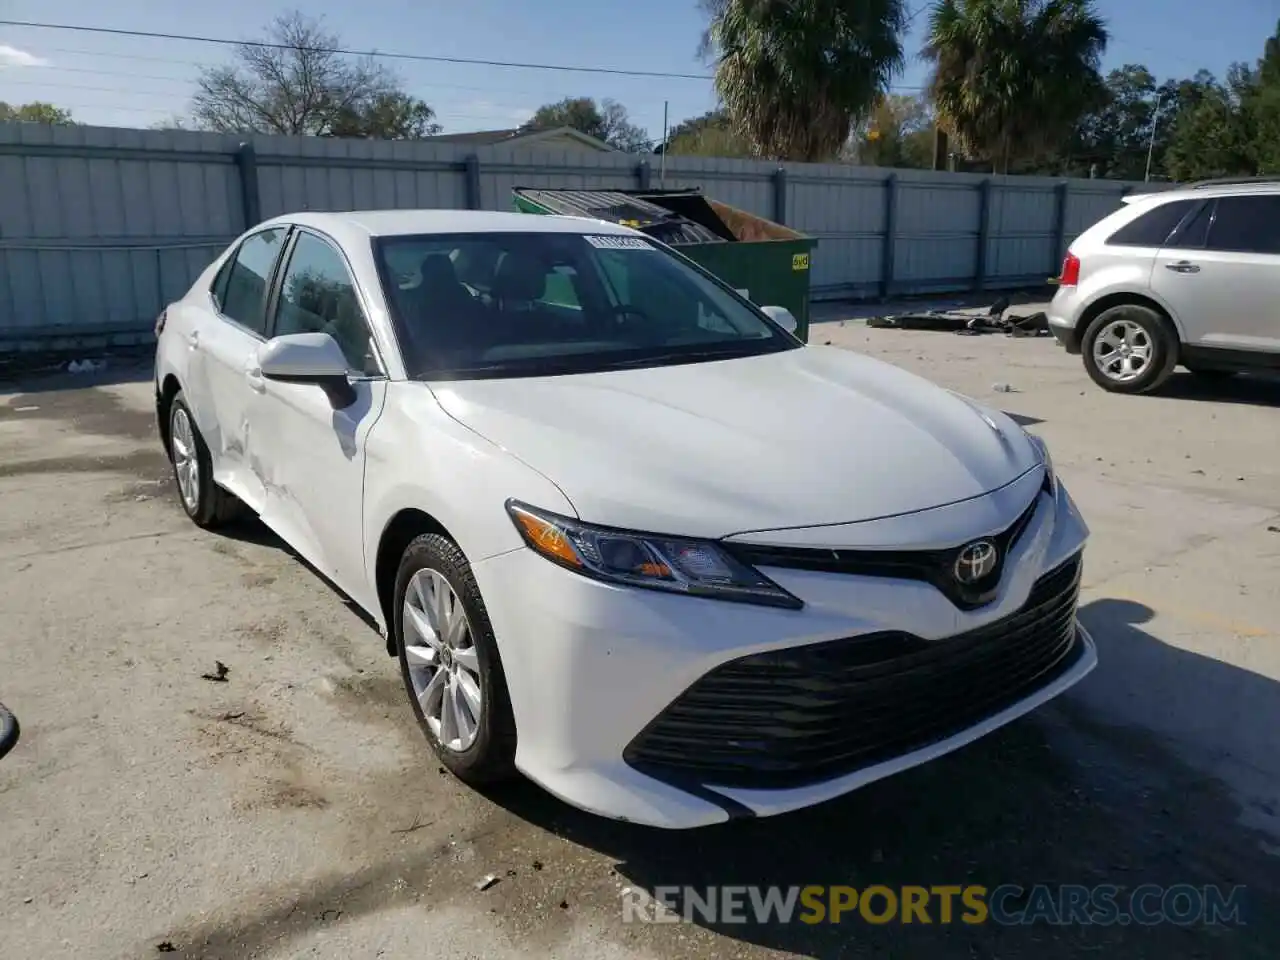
x=136 y=82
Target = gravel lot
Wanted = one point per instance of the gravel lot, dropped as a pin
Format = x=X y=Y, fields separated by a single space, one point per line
x=294 y=811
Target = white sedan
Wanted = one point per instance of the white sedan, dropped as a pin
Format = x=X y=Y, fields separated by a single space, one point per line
x=625 y=533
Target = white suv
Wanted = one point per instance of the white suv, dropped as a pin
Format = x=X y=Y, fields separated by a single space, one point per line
x=1188 y=276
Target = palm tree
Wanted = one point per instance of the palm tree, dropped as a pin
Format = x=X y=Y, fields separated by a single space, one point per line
x=795 y=75
x=1011 y=78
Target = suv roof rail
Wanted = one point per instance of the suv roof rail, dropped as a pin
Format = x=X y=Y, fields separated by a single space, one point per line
x=1234 y=181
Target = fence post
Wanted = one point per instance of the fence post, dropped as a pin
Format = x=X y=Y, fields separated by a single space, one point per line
x=250 y=204
x=471 y=171
x=644 y=174
x=780 y=195
x=984 y=234
x=890 y=234
x=1059 y=226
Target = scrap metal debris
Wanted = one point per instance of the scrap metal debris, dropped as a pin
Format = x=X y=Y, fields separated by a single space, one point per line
x=968 y=324
x=219 y=675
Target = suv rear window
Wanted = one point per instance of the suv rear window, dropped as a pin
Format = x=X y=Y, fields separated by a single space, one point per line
x=1153 y=227
x=1246 y=224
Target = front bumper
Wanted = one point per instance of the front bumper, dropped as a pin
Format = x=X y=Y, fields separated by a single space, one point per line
x=591 y=666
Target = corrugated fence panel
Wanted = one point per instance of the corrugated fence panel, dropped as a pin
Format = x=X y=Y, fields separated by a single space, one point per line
x=845 y=209
x=1022 y=226
x=936 y=245
x=100 y=227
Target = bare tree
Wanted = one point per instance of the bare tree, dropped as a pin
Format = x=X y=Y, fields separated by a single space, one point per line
x=295 y=81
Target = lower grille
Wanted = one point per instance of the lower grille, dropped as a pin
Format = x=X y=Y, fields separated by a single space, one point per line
x=807 y=714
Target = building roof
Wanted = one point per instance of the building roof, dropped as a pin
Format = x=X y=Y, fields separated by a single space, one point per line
x=518 y=138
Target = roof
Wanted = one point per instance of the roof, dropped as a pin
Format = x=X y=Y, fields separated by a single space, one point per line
x=355 y=225
x=518 y=138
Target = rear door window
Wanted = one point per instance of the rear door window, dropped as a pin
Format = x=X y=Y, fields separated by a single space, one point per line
x=1192 y=232
x=241 y=288
x=1152 y=228
x=1246 y=225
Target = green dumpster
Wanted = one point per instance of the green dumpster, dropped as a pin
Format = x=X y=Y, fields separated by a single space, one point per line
x=766 y=261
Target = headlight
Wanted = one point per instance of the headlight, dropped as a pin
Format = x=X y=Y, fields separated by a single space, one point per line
x=1050 y=477
x=694 y=567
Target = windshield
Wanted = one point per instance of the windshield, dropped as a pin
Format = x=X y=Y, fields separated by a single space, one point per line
x=532 y=304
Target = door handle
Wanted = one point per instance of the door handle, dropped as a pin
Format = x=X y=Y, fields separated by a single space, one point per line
x=257 y=383
x=1182 y=266
x=193 y=339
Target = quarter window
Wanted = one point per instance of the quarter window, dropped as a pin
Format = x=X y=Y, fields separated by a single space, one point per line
x=241 y=288
x=317 y=295
x=1152 y=228
x=1246 y=224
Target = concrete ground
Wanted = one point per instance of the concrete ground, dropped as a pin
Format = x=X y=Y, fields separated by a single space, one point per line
x=294 y=810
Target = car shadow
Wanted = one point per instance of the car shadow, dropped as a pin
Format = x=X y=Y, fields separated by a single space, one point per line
x=1060 y=797
x=20 y=374
x=1259 y=389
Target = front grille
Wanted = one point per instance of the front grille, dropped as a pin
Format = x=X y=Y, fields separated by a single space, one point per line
x=936 y=567
x=806 y=714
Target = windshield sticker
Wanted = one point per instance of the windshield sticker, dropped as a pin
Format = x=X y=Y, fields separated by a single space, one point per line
x=617 y=243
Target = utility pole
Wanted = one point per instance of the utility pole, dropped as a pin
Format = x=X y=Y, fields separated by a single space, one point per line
x=1151 y=144
x=662 y=164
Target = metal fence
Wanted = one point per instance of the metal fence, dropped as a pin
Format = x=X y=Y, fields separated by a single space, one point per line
x=101 y=226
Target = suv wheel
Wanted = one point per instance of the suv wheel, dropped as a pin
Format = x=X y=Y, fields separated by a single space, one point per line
x=1129 y=349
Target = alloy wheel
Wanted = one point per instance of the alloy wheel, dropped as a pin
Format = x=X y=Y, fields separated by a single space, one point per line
x=444 y=667
x=1122 y=351
x=186 y=462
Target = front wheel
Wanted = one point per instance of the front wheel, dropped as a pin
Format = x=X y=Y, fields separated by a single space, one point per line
x=1129 y=349
x=449 y=662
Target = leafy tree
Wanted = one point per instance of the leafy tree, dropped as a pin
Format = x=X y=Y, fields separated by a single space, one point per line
x=1011 y=78
x=606 y=121
x=899 y=133
x=36 y=112
x=296 y=83
x=1207 y=134
x=795 y=75
x=710 y=135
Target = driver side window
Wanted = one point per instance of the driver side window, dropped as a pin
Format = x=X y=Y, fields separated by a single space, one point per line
x=318 y=295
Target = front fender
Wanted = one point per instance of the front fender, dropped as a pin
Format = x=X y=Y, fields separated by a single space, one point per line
x=420 y=458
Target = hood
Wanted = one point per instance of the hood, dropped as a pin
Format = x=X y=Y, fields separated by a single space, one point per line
x=805 y=437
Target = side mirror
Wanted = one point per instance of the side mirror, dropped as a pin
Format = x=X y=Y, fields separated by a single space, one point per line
x=782 y=317
x=312 y=358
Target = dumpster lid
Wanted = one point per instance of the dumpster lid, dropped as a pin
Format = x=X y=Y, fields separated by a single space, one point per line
x=617 y=206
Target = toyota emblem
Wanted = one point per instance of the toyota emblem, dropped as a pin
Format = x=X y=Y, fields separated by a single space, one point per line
x=976 y=561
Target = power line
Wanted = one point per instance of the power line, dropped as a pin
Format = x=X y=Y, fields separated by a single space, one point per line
x=416 y=57
x=190 y=80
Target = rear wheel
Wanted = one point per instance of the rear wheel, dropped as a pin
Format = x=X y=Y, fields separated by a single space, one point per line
x=449 y=662
x=206 y=503
x=1129 y=349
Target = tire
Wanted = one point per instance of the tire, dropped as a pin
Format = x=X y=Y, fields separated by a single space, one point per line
x=489 y=756
x=1144 y=327
x=9 y=730
x=211 y=506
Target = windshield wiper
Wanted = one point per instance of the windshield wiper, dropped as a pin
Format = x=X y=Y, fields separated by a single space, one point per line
x=683 y=356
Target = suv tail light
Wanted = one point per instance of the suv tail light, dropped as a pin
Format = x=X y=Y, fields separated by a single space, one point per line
x=160 y=323
x=1070 y=271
